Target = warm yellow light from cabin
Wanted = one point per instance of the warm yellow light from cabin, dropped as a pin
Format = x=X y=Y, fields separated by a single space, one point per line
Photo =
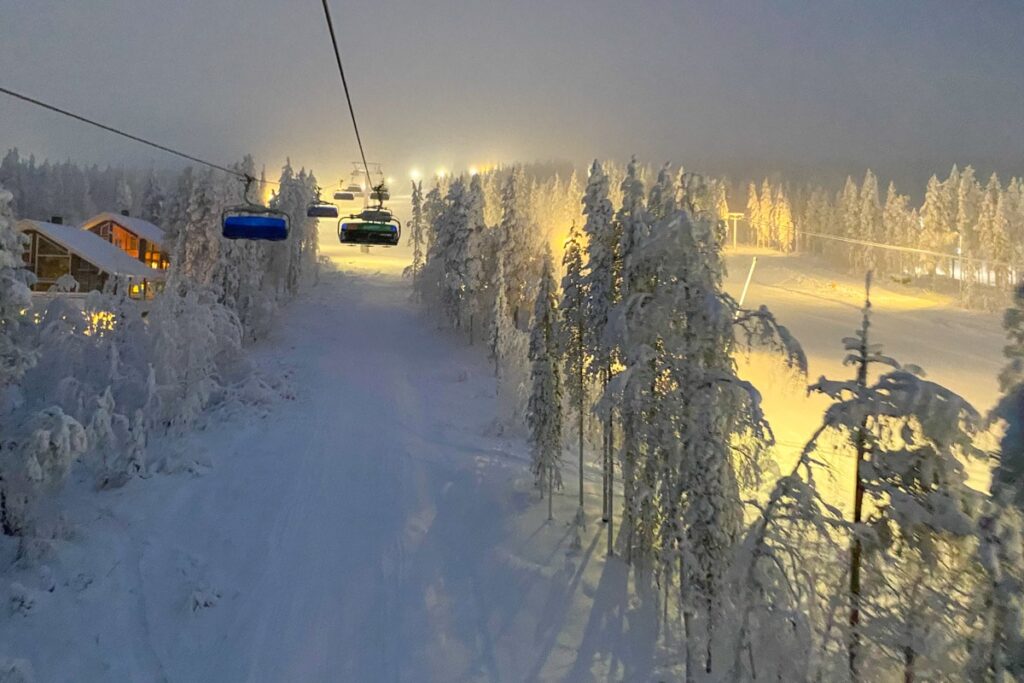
x=99 y=322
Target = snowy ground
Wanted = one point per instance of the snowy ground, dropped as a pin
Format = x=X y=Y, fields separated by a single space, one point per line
x=957 y=348
x=374 y=529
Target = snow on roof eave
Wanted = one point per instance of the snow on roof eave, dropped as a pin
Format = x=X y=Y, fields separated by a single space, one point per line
x=94 y=249
x=143 y=228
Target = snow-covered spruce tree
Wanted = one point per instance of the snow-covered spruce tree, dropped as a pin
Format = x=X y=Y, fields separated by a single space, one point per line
x=662 y=200
x=124 y=194
x=633 y=224
x=753 y=213
x=767 y=212
x=602 y=289
x=784 y=229
x=476 y=257
x=897 y=227
x=999 y=652
x=15 y=355
x=296 y=257
x=938 y=218
x=544 y=411
x=197 y=241
x=278 y=275
x=993 y=235
x=510 y=348
x=453 y=245
x=433 y=204
x=1010 y=471
x=573 y=342
x=15 y=297
x=153 y=200
x=430 y=286
x=307 y=238
x=518 y=245
x=913 y=514
x=699 y=424
x=416 y=236
x=870 y=219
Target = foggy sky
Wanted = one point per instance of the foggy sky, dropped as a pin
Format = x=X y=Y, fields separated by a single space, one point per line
x=740 y=87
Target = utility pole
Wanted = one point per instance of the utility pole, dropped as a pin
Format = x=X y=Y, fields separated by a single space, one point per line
x=734 y=217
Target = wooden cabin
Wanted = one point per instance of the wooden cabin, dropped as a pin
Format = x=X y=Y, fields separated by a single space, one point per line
x=55 y=250
x=138 y=238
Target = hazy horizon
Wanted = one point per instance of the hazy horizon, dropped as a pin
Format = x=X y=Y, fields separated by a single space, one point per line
x=809 y=91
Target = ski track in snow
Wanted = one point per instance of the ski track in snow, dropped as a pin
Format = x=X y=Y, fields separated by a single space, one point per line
x=374 y=529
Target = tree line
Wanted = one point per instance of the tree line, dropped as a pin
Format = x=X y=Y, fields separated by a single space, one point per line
x=967 y=231
x=625 y=353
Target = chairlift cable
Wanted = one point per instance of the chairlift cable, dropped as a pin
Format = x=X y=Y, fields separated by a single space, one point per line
x=136 y=138
x=348 y=96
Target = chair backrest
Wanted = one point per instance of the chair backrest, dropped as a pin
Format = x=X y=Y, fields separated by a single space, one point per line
x=322 y=211
x=247 y=226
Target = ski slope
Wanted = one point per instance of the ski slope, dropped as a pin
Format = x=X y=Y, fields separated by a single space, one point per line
x=374 y=526
x=959 y=349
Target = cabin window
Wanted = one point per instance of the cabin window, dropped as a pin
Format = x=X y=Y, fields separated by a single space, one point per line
x=51 y=262
x=154 y=258
x=125 y=241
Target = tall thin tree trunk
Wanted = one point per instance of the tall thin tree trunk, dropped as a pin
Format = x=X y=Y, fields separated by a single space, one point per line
x=551 y=493
x=858 y=497
x=855 y=562
x=687 y=626
x=908 y=664
x=611 y=483
x=582 y=426
x=604 y=457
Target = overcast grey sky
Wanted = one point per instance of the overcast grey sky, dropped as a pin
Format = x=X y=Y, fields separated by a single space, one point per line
x=903 y=87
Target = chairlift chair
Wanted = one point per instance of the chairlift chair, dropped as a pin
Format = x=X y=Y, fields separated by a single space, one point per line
x=252 y=221
x=321 y=209
x=372 y=226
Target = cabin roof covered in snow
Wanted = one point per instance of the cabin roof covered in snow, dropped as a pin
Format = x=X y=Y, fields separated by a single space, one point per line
x=93 y=249
x=140 y=227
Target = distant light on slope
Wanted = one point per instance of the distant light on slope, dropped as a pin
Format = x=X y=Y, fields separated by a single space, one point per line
x=415 y=174
x=473 y=170
x=441 y=172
